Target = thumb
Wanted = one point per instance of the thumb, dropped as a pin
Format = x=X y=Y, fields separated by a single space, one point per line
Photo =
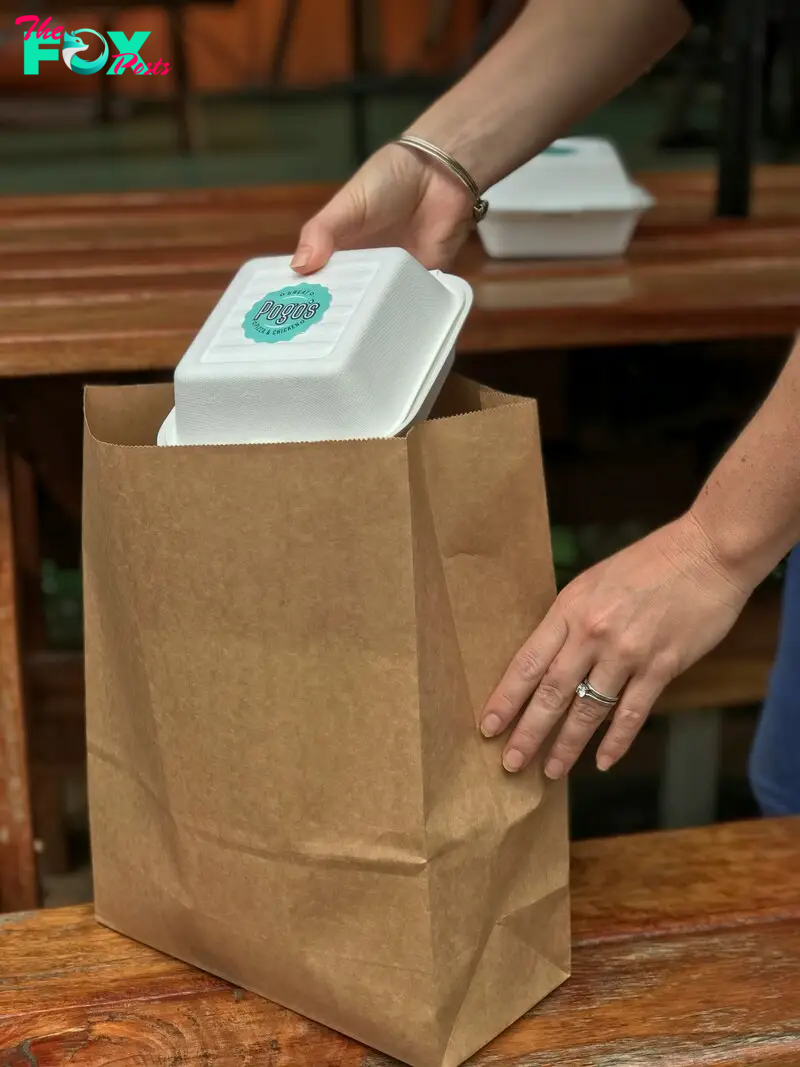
x=337 y=225
x=315 y=246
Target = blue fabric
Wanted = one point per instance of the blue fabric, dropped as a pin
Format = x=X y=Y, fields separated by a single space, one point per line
x=775 y=759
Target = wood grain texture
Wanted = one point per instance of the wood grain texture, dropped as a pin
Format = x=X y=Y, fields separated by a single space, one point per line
x=121 y=282
x=692 y=193
x=726 y=998
x=702 y=970
x=682 y=194
x=720 y=999
x=18 y=886
x=681 y=880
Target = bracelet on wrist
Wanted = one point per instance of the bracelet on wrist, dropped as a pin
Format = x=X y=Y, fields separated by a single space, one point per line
x=479 y=205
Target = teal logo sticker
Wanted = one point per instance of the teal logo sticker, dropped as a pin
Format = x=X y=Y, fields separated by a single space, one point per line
x=284 y=314
x=560 y=150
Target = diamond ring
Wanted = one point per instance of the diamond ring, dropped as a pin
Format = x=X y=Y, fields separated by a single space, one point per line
x=585 y=691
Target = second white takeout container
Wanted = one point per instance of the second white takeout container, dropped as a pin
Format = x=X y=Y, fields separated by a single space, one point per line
x=358 y=350
x=574 y=199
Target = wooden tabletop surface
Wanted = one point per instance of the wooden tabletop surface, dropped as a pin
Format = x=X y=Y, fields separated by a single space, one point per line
x=687 y=953
x=121 y=282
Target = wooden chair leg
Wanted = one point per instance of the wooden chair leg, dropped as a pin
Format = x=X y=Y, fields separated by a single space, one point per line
x=743 y=59
x=28 y=559
x=439 y=16
x=105 y=88
x=369 y=14
x=364 y=27
x=18 y=880
x=289 y=12
x=48 y=800
x=188 y=136
x=49 y=810
x=500 y=15
x=677 y=126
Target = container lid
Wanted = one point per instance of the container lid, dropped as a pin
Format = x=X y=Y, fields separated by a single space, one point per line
x=352 y=351
x=574 y=174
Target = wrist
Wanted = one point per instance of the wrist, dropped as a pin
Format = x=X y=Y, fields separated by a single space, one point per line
x=734 y=548
x=453 y=138
x=450 y=165
x=437 y=176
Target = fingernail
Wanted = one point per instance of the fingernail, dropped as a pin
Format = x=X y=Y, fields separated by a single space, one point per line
x=554 y=769
x=491 y=726
x=604 y=763
x=513 y=760
x=301 y=258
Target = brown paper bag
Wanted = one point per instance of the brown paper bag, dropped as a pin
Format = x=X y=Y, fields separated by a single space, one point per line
x=286 y=649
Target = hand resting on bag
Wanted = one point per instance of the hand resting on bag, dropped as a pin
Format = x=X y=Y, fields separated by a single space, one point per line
x=630 y=624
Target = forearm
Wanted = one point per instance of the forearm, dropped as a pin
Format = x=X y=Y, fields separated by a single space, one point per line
x=560 y=60
x=749 y=508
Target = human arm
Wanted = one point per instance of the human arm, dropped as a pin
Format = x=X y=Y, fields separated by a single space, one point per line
x=635 y=621
x=559 y=61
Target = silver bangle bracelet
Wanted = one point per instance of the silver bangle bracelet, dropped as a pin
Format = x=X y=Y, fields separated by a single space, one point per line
x=480 y=206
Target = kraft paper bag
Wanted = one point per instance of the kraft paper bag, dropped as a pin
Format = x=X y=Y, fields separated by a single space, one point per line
x=287 y=647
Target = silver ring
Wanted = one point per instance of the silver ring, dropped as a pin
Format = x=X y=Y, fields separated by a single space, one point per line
x=585 y=691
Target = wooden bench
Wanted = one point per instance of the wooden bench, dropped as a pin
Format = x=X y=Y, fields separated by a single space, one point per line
x=117 y=283
x=122 y=282
x=687 y=951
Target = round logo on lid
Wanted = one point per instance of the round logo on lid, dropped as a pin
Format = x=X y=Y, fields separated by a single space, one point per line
x=284 y=314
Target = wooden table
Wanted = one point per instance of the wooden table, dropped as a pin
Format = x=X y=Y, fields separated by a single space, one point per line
x=121 y=282
x=687 y=952
x=113 y=283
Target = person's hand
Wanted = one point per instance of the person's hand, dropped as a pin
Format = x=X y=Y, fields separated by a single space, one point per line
x=397 y=199
x=628 y=625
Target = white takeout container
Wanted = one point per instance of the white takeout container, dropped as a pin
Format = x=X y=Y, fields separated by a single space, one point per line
x=358 y=350
x=574 y=199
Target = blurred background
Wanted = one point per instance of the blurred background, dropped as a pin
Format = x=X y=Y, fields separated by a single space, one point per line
x=300 y=90
x=291 y=92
